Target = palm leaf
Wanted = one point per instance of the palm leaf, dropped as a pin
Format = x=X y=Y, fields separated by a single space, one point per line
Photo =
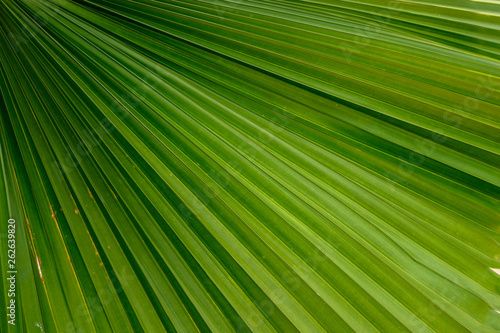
x=226 y=165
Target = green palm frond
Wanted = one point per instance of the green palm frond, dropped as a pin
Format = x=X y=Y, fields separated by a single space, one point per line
x=264 y=166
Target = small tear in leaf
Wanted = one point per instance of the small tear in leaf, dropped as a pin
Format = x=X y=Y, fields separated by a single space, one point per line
x=39 y=268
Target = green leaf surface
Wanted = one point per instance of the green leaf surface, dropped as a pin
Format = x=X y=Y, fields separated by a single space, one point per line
x=251 y=166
